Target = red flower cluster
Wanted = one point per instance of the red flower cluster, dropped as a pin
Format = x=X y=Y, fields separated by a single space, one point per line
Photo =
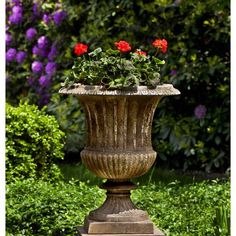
x=161 y=44
x=80 y=49
x=123 y=46
x=139 y=52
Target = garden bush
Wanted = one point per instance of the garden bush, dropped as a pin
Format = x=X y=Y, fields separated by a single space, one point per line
x=190 y=131
x=33 y=143
x=187 y=210
x=193 y=131
x=42 y=208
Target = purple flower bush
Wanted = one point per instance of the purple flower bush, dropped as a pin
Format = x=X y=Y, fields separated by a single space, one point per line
x=200 y=111
x=59 y=16
x=44 y=81
x=37 y=67
x=31 y=33
x=21 y=56
x=52 y=53
x=10 y=54
x=43 y=42
x=33 y=51
x=50 y=68
x=8 y=39
x=46 y=19
x=17 y=15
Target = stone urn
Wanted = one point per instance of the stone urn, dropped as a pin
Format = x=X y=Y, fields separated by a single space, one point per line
x=119 y=148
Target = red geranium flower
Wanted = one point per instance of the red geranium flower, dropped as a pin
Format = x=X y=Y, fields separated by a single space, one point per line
x=161 y=44
x=80 y=49
x=123 y=46
x=140 y=52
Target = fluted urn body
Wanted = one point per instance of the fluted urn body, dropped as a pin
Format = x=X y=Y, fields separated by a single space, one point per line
x=119 y=148
x=119 y=135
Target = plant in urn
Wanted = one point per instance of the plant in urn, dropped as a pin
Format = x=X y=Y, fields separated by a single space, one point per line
x=119 y=90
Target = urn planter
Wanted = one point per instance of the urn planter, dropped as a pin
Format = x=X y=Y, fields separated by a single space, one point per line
x=119 y=148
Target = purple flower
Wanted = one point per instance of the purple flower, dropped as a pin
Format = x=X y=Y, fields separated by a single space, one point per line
x=173 y=72
x=20 y=57
x=59 y=16
x=39 y=52
x=11 y=54
x=53 y=52
x=31 y=33
x=43 y=42
x=44 y=81
x=46 y=19
x=16 y=18
x=36 y=50
x=50 y=68
x=200 y=111
x=37 y=66
x=17 y=15
x=8 y=39
x=36 y=9
x=17 y=10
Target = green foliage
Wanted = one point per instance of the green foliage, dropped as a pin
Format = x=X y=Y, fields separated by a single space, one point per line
x=184 y=210
x=192 y=142
x=199 y=66
x=42 y=208
x=33 y=143
x=222 y=221
x=71 y=119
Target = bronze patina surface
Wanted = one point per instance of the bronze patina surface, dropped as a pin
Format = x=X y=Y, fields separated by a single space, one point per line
x=119 y=148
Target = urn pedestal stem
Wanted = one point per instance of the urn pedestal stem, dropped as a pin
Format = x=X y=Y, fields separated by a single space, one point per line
x=119 y=148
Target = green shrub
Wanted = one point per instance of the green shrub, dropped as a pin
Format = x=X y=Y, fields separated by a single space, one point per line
x=42 y=208
x=33 y=143
x=193 y=130
x=185 y=210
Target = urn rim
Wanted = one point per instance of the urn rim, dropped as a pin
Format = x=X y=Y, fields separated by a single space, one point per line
x=83 y=90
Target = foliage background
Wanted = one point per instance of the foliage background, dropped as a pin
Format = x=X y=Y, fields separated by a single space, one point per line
x=198 y=60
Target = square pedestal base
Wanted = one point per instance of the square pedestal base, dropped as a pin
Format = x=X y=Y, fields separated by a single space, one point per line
x=82 y=232
x=109 y=227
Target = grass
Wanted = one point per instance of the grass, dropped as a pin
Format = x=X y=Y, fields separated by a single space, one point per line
x=79 y=172
x=154 y=175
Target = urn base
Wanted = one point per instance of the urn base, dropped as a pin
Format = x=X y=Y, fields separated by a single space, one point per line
x=156 y=232
x=118 y=215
